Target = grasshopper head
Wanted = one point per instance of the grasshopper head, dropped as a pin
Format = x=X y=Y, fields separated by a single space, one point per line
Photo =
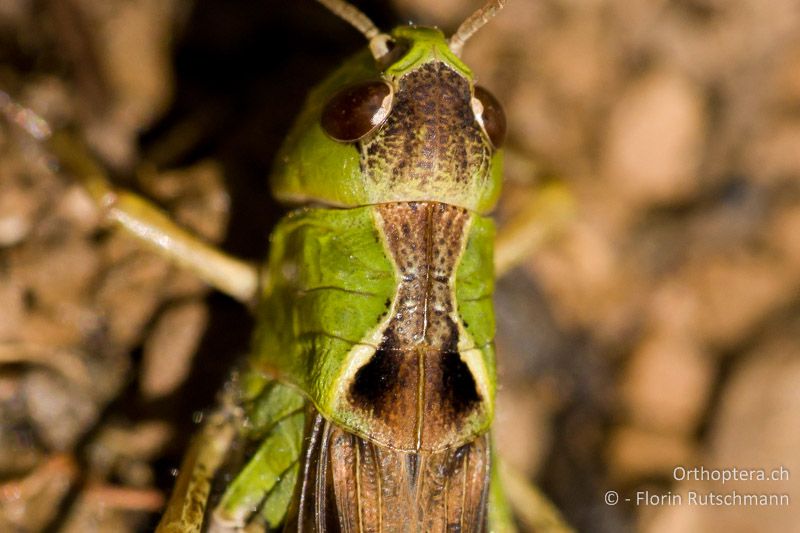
x=401 y=121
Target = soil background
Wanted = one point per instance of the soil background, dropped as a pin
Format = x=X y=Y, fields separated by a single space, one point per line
x=655 y=332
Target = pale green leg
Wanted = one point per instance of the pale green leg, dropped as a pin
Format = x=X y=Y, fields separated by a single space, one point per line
x=274 y=509
x=547 y=214
x=276 y=419
x=275 y=461
x=145 y=221
x=207 y=453
x=501 y=518
x=532 y=507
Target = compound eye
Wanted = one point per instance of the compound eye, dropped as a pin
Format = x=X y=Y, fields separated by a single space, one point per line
x=356 y=111
x=489 y=114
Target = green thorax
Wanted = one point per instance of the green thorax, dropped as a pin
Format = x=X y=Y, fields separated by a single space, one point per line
x=382 y=315
x=429 y=149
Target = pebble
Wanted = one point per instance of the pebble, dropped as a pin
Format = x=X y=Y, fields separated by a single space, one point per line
x=666 y=385
x=169 y=349
x=655 y=139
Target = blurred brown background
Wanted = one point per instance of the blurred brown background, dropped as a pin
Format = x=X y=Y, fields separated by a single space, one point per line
x=661 y=328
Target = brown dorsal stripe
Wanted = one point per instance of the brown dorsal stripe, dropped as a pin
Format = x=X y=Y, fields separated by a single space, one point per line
x=416 y=389
x=425 y=240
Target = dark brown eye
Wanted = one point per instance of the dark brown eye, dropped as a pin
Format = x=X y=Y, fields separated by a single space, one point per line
x=357 y=111
x=490 y=116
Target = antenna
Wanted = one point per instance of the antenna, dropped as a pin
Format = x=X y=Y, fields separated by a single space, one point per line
x=377 y=40
x=473 y=23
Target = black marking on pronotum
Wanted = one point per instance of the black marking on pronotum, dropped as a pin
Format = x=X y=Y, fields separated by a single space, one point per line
x=374 y=382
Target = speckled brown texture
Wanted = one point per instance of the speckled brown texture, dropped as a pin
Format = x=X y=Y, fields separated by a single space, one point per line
x=431 y=140
x=416 y=387
x=426 y=240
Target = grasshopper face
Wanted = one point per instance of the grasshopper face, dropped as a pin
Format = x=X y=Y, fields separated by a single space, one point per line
x=410 y=126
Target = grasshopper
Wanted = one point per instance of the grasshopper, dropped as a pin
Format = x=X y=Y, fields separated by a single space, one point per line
x=367 y=399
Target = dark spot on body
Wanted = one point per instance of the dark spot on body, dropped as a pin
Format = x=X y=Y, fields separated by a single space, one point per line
x=374 y=382
x=412 y=463
x=459 y=390
x=450 y=338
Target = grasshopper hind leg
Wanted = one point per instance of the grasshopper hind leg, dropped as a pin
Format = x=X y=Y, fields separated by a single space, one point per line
x=146 y=222
x=544 y=217
x=186 y=509
x=241 y=470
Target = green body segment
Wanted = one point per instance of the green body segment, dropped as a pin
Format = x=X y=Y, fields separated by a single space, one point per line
x=474 y=287
x=335 y=276
x=275 y=419
x=262 y=413
x=330 y=285
x=341 y=280
x=333 y=290
x=275 y=460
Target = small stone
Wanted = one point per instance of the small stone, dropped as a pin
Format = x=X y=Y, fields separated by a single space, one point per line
x=17 y=209
x=736 y=291
x=170 y=347
x=655 y=139
x=130 y=293
x=119 y=446
x=78 y=209
x=636 y=453
x=667 y=383
x=60 y=412
x=57 y=272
